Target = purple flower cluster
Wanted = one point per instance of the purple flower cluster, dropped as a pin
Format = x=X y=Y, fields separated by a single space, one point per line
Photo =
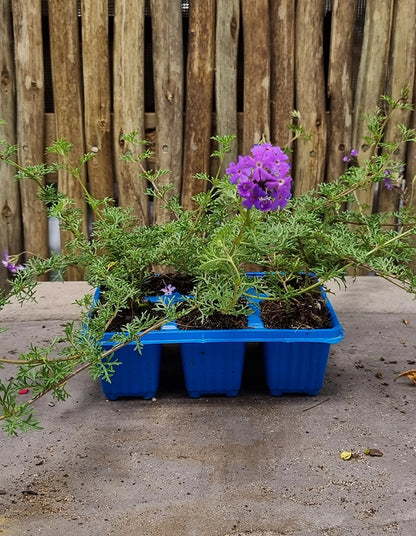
x=10 y=263
x=263 y=178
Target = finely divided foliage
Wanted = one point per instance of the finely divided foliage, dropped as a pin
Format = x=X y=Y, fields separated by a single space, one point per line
x=245 y=217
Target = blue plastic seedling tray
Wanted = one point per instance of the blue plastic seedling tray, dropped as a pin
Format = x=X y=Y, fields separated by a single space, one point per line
x=295 y=360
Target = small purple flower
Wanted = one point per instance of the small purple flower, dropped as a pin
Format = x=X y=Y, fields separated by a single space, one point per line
x=264 y=204
x=168 y=290
x=349 y=157
x=238 y=171
x=10 y=263
x=245 y=188
x=388 y=183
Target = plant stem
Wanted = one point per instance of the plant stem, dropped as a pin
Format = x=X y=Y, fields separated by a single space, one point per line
x=88 y=364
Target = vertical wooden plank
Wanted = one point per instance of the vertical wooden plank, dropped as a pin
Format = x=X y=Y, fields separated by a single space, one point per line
x=226 y=55
x=128 y=100
x=27 y=27
x=169 y=90
x=401 y=75
x=256 y=28
x=310 y=94
x=339 y=86
x=411 y=158
x=371 y=77
x=96 y=77
x=282 y=47
x=67 y=93
x=199 y=96
x=10 y=215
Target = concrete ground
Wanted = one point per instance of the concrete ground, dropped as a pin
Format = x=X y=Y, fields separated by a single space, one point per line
x=250 y=466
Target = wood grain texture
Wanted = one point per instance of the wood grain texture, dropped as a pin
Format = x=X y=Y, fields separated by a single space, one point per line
x=256 y=28
x=66 y=76
x=97 y=100
x=226 y=58
x=340 y=87
x=410 y=172
x=281 y=67
x=310 y=94
x=128 y=101
x=371 y=78
x=199 y=97
x=401 y=76
x=30 y=93
x=282 y=50
x=169 y=94
x=10 y=214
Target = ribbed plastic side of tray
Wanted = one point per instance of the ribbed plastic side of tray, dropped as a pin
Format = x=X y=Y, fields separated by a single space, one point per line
x=137 y=375
x=213 y=368
x=296 y=363
x=295 y=367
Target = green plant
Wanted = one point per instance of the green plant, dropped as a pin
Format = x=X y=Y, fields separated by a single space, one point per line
x=245 y=217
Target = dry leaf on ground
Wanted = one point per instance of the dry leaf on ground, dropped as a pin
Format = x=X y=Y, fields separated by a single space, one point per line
x=373 y=452
x=411 y=374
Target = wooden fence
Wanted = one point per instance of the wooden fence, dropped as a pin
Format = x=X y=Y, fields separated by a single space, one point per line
x=180 y=72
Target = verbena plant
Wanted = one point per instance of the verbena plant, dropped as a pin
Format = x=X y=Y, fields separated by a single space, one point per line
x=245 y=217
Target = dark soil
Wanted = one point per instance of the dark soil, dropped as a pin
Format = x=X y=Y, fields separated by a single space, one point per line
x=182 y=283
x=127 y=315
x=306 y=312
x=216 y=321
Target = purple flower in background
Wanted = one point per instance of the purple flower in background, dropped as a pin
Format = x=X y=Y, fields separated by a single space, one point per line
x=393 y=178
x=10 y=263
x=263 y=178
x=168 y=290
x=388 y=181
x=349 y=157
